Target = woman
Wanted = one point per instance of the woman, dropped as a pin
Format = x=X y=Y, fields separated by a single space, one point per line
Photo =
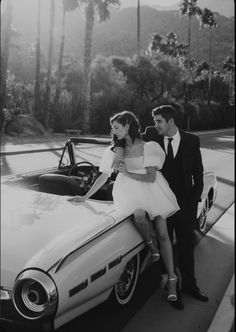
x=140 y=189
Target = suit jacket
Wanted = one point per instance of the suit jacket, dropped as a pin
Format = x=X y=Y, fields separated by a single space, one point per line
x=191 y=159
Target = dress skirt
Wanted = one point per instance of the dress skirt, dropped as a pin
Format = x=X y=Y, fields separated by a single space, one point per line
x=156 y=198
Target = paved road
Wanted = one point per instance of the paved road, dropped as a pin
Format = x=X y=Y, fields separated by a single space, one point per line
x=217 y=151
x=218 y=156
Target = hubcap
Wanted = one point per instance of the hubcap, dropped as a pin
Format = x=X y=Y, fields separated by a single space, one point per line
x=203 y=217
x=126 y=280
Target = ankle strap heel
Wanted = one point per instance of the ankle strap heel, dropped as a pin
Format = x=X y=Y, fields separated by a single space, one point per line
x=155 y=253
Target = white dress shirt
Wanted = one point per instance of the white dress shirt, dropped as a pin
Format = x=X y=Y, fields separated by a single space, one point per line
x=175 y=142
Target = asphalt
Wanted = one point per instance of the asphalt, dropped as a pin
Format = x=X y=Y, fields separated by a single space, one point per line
x=214 y=257
x=56 y=143
x=214 y=261
x=12 y=149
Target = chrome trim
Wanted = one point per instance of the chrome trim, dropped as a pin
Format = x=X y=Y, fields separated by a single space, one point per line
x=134 y=248
x=5 y=294
x=98 y=274
x=115 y=262
x=31 y=309
x=78 y=288
x=62 y=260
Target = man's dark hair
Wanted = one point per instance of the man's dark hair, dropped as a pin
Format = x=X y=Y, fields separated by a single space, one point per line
x=166 y=111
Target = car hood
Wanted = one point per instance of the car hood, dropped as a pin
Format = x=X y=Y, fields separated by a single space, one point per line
x=38 y=229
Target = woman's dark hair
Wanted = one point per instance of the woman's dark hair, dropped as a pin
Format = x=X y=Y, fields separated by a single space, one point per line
x=117 y=143
x=129 y=118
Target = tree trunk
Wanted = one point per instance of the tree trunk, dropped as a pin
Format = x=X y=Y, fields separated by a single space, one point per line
x=37 y=102
x=210 y=67
x=189 y=41
x=138 y=26
x=5 y=50
x=86 y=87
x=50 y=61
x=60 y=61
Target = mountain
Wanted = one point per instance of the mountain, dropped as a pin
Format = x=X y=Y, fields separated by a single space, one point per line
x=118 y=36
x=171 y=5
x=225 y=8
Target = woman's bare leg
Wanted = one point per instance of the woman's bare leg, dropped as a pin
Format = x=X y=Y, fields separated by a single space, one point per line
x=167 y=255
x=165 y=245
x=143 y=226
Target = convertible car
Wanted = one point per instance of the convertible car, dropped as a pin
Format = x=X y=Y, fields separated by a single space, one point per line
x=60 y=258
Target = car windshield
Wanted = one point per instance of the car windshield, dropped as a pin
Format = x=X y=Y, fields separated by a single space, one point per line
x=65 y=158
x=92 y=152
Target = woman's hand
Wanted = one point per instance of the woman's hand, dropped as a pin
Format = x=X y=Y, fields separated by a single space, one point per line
x=77 y=198
x=122 y=168
x=115 y=164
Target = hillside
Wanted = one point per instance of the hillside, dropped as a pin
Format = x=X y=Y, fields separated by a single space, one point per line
x=118 y=36
x=225 y=8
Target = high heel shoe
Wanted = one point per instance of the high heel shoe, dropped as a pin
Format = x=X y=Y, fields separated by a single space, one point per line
x=172 y=289
x=155 y=253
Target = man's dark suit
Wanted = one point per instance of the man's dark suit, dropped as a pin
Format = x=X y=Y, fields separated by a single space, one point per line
x=186 y=181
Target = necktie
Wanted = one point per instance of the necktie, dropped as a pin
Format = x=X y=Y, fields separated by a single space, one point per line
x=170 y=154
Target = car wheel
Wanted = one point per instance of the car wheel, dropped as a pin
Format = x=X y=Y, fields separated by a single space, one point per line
x=125 y=287
x=201 y=221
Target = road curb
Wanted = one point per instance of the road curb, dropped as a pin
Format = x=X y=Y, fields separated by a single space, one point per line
x=223 y=320
x=214 y=259
x=8 y=153
x=30 y=148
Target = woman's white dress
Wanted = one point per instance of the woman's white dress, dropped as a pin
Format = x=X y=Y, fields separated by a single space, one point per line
x=156 y=198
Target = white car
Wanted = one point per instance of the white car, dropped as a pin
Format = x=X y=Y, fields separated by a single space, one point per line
x=208 y=197
x=59 y=258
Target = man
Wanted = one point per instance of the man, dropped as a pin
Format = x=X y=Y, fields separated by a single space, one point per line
x=183 y=169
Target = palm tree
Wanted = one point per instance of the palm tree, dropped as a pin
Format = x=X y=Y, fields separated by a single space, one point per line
x=208 y=20
x=167 y=47
x=155 y=46
x=101 y=7
x=50 y=61
x=229 y=66
x=138 y=26
x=189 y=8
x=6 y=28
x=67 y=5
x=38 y=63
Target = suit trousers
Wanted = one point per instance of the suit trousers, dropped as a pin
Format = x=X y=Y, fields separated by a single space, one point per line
x=182 y=224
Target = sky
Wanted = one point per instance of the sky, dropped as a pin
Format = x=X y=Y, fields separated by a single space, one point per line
x=224 y=7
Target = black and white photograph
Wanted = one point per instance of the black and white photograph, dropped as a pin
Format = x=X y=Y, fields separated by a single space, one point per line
x=117 y=166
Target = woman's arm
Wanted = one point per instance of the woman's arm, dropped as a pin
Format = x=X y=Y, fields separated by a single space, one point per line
x=118 y=156
x=118 y=147
x=101 y=180
x=150 y=175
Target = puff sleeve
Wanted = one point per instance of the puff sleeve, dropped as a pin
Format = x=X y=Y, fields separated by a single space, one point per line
x=106 y=161
x=154 y=155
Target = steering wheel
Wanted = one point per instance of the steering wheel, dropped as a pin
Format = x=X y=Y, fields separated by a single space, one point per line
x=86 y=178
